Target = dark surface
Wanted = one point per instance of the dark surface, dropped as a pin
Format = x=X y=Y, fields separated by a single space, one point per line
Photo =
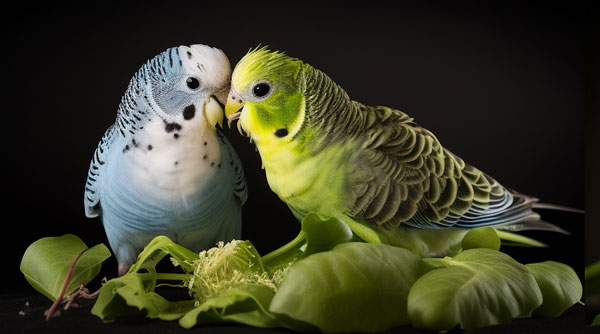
x=79 y=320
x=592 y=196
x=500 y=84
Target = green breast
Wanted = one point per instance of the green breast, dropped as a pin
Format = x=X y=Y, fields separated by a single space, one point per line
x=308 y=181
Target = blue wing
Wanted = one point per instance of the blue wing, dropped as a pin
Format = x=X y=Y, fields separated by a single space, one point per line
x=507 y=209
x=240 y=185
x=91 y=195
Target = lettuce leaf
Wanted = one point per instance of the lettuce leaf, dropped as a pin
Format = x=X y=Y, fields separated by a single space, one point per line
x=356 y=287
x=478 y=287
x=46 y=263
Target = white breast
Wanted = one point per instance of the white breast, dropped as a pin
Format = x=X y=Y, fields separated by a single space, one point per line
x=173 y=158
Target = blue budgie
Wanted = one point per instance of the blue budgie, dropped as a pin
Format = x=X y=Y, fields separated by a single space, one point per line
x=163 y=168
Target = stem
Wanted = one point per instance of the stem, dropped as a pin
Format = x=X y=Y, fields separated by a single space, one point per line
x=288 y=250
x=518 y=238
x=172 y=276
x=64 y=289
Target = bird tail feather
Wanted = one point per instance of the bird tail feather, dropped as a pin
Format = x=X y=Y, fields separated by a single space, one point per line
x=549 y=206
x=532 y=225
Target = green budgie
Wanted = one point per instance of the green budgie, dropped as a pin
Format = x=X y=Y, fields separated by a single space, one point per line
x=373 y=167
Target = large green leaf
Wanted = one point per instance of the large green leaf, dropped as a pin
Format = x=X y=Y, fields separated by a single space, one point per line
x=560 y=287
x=479 y=287
x=356 y=287
x=596 y=321
x=46 y=263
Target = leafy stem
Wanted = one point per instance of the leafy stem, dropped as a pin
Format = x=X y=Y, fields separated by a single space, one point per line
x=58 y=300
x=172 y=276
x=285 y=253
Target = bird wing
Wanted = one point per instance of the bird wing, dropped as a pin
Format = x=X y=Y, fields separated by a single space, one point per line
x=91 y=195
x=240 y=185
x=403 y=175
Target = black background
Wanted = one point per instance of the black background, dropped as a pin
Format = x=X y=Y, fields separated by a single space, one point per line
x=501 y=85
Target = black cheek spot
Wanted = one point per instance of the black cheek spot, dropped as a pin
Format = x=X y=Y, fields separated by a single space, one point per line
x=189 y=112
x=204 y=157
x=281 y=132
x=149 y=147
x=205 y=143
x=189 y=54
x=212 y=164
x=176 y=163
x=175 y=135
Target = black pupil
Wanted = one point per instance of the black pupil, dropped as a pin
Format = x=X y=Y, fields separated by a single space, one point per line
x=193 y=83
x=261 y=90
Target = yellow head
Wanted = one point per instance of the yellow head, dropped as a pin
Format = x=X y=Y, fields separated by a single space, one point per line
x=267 y=96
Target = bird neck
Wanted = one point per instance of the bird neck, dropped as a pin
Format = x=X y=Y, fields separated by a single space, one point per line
x=331 y=116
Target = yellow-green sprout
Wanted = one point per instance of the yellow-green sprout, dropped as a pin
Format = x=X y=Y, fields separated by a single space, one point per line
x=229 y=265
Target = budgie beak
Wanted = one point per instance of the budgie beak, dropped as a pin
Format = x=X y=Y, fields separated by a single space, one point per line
x=213 y=112
x=233 y=108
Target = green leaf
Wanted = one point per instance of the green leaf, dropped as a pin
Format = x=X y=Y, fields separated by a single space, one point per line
x=157 y=249
x=46 y=263
x=479 y=287
x=482 y=237
x=363 y=230
x=129 y=295
x=133 y=293
x=245 y=304
x=228 y=268
x=592 y=278
x=356 y=287
x=596 y=321
x=322 y=235
x=286 y=254
x=560 y=287
x=317 y=235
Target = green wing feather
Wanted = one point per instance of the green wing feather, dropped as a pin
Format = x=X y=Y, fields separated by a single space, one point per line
x=402 y=173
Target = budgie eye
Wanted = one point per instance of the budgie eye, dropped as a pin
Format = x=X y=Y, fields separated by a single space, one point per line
x=261 y=89
x=192 y=83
